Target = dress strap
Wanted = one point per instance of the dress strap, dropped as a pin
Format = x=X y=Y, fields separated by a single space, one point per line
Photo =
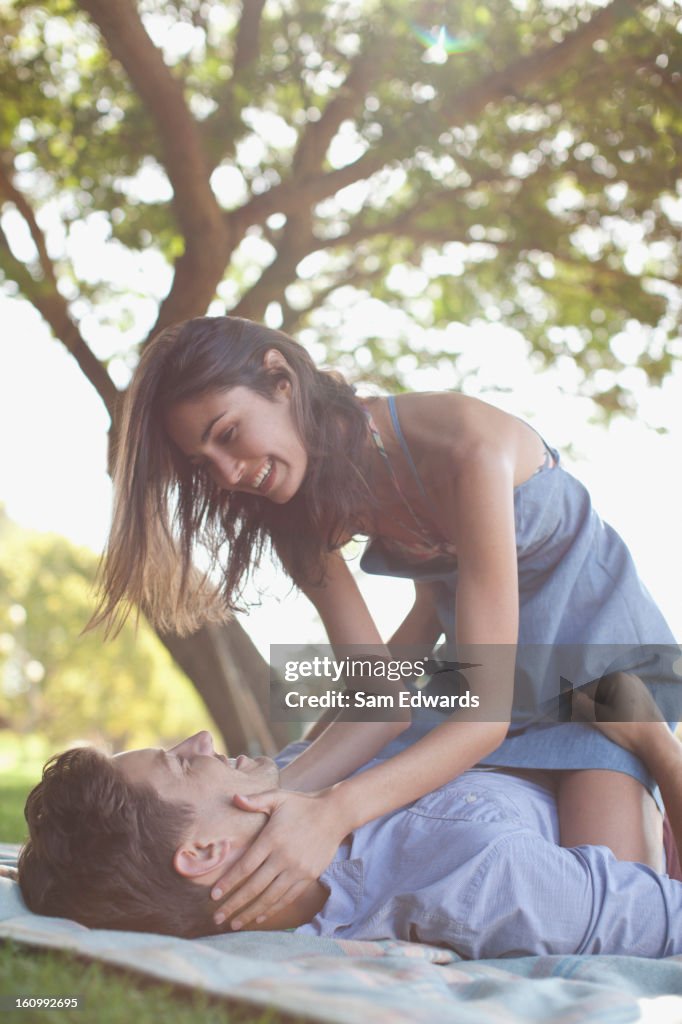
x=403 y=445
x=551 y=454
x=374 y=431
x=425 y=543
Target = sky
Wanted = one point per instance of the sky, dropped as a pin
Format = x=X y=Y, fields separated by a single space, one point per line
x=53 y=459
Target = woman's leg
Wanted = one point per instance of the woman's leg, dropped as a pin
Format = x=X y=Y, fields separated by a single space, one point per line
x=598 y=807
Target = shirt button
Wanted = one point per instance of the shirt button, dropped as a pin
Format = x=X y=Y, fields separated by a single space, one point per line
x=470 y=798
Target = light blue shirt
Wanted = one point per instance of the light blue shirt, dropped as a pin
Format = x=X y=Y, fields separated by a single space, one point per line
x=476 y=866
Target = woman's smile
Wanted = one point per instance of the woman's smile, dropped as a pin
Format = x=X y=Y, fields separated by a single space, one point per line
x=265 y=478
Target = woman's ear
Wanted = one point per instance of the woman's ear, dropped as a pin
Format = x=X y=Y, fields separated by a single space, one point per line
x=275 y=363
x=194 y=858
x=274 y=360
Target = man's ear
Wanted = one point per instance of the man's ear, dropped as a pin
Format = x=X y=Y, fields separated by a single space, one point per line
x=194 y=859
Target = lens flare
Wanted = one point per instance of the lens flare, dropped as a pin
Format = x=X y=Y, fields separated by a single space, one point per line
x=440 y=44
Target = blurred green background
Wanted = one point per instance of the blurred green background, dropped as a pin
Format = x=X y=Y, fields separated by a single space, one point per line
x=58 y=688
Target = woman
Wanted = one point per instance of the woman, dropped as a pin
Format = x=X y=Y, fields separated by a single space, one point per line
x=232 y=438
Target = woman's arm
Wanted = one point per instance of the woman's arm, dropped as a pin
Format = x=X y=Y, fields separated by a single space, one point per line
x=277 y=864
x=305 y=829
x=475 y=488
x=343 y=746
x=420 y=628
x=486 y=628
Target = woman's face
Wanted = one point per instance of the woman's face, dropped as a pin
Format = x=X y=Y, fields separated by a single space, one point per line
x=244 y=441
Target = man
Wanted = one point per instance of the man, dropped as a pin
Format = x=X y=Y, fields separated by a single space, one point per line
x=137 y=841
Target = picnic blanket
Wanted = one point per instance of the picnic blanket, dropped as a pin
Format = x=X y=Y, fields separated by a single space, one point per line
x=387 y=982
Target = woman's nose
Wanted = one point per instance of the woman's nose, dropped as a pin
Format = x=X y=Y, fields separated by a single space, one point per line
x=227 y=472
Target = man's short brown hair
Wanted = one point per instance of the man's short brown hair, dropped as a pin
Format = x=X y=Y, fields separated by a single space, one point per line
x=100 y=851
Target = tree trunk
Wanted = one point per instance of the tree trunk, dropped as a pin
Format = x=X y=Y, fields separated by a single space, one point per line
x=233 y=680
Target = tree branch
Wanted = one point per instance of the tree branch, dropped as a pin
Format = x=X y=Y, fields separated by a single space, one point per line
x=52 y=306
x=292 y=197
x=197 y=210
x=296 y=241
x=205 y=229
x=9 y=191
x=246 y=46
x=407 y=219
x=314 y=141
x=539 y=66
x=228 y=97
x=354 y=276
x=199 y=271
x=302 y=194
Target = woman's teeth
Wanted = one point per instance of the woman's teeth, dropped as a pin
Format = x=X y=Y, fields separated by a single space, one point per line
x=263 y=475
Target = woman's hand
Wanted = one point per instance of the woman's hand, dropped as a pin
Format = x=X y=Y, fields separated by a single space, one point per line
x=296 y=845
x=621 y=707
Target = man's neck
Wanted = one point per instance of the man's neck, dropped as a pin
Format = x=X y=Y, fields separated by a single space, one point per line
x=303 y=909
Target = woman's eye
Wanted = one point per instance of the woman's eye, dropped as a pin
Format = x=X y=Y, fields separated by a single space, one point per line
x=227 y=436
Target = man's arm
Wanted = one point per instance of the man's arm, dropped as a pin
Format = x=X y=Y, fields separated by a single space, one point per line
x=531 y=897
x=493 y=882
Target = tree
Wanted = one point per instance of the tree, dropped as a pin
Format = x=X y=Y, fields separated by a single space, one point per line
x=66 y=688
x=289 y=159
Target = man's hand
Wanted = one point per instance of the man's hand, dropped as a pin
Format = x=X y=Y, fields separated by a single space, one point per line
x=294 y=848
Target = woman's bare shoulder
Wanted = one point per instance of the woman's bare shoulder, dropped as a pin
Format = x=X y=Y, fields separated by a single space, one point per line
x=451 y=420
x=447 y=429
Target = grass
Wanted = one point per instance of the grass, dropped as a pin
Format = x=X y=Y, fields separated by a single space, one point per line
x=13 y=794
x=109 y=995
x=21 y=762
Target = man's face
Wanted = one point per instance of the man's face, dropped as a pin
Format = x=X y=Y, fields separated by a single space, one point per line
x=192 y=773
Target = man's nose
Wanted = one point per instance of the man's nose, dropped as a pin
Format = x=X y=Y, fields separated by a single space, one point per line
x=200 y=743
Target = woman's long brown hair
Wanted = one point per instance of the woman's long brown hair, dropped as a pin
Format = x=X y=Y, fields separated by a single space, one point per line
x=169 y=516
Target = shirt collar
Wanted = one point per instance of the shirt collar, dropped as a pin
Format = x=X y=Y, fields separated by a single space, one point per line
x=344 y=878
